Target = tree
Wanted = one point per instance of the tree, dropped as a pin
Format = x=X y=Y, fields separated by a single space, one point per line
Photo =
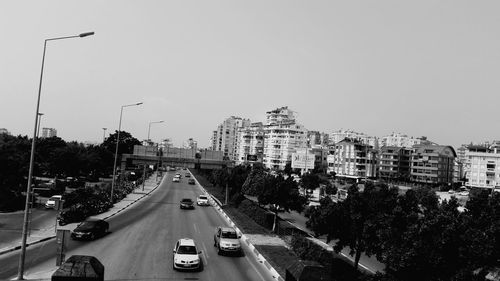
x=281 y=194
x=310 y=181
x=126 y=145
x=288 y=169
x=255 y=182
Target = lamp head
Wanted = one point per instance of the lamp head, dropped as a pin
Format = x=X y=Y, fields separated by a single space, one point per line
x=86 y=34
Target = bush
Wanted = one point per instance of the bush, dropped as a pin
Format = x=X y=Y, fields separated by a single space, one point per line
x=256 y=213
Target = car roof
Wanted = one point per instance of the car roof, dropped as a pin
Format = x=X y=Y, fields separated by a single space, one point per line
x=186 y=242
x=227 y=229
x=187 y=199
x=202 y=195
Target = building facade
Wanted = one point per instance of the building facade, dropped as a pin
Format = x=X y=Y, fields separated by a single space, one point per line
x=225 y=138
x=317 y=139
x=482 y=168
x=353 y=159
x=49 y=132
x=400 y=140
x=433 y=164
x=394 y=163
x=250 y=143
x=282 y=136
x=338 y=136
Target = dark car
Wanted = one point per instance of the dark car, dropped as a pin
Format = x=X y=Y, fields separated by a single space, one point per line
x=90 y=229
x=187 y=203
x=191 y=181
x=187 y=175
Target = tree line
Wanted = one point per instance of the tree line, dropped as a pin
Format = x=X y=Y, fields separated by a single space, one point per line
x=54 y=158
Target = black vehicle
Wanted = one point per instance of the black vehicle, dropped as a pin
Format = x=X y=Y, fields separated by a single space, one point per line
x=187 y=203
x=90 y=229
x=191 y=181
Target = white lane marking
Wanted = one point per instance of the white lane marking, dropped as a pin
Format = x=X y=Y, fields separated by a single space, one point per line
x=196 y=229
x=205 y=253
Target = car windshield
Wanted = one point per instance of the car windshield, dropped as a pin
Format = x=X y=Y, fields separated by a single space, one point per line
x=87 y=224
x=229 y=234
x=203 y=197
x=186 y=201
x=186 y=250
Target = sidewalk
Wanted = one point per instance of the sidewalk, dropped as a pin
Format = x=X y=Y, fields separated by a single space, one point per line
x=48 y=231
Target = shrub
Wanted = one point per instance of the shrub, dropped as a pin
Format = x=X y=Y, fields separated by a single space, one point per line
x=256 y=213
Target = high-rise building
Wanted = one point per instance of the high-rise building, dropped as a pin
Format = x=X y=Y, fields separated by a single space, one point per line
x=317 y=139
x=49 y=132
x=338 y=136
x=225 y=138
x=250 y=143
x=394 y=163
x=282 y=137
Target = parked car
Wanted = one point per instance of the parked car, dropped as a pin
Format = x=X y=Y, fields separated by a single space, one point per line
x=51 y=202
x=90 y=229
x=187 y=203
x=191 y=181
x=186 y=255
x=202 y=200
x=227 y=240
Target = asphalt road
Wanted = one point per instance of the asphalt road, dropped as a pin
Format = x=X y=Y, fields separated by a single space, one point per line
x=141 y=239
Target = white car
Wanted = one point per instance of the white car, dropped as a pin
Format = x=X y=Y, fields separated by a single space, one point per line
x=186 y=255
x=176 y=179
x=202 y=200
x=227 y=240
x=51 y=202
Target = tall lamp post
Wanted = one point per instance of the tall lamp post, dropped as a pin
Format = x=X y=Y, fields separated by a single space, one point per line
x=22 y=257
x=116 y=150
x=144 y=171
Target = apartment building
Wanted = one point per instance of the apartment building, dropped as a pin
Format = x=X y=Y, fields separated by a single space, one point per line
x=482 y=168
x=317 y=139
x=190 y=144
x=432 y=164
x=394 y=163
x=225 y=138
x=353 y=158
x=49 y=132
x=401 y=140
x=282 y=136
x=250 y=143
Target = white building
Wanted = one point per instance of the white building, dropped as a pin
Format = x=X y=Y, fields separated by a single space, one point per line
x=340 y=135
x=401 y=140
x=353 y=159
x=250 y=143
x=282 y=137
x=317 y=139
x=225 y=138
x=190 y=144
x=482 y=167
x=49 y=132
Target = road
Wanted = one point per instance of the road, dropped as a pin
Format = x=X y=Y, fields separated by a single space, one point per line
x=142 y=238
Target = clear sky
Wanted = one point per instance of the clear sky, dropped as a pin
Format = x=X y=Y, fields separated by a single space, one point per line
x=423 y=68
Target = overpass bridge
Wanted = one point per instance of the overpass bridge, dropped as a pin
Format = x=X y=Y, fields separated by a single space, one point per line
x=176 y=157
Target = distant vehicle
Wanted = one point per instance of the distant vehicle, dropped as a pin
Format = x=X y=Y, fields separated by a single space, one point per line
x=176 y=179
x=227 y=240
x=90 y=229
x=451 y=191
x=187 y=175
x=51 y=202
x=464 y=193
x=184 y=168
x=202 y=200
x=186 y=255
x=187 y=203
x=178 y=175
x=191 y=181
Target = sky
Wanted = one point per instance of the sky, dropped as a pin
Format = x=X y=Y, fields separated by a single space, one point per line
x=422 y=68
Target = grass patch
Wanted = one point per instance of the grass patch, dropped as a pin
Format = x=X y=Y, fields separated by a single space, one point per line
x=278 y=256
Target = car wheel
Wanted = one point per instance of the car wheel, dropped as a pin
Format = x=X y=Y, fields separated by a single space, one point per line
x=219 y=252
x=92 y=236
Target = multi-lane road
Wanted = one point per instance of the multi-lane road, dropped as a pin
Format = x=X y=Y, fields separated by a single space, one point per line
x=141 y=240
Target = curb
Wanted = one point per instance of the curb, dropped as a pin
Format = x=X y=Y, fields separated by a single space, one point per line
x=217 y=205
x=54 y=236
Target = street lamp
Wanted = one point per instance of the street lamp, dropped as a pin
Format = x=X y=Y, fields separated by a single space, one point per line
x=116 y=150
x=20 y=271
x=144 y=171
x=39 y=123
